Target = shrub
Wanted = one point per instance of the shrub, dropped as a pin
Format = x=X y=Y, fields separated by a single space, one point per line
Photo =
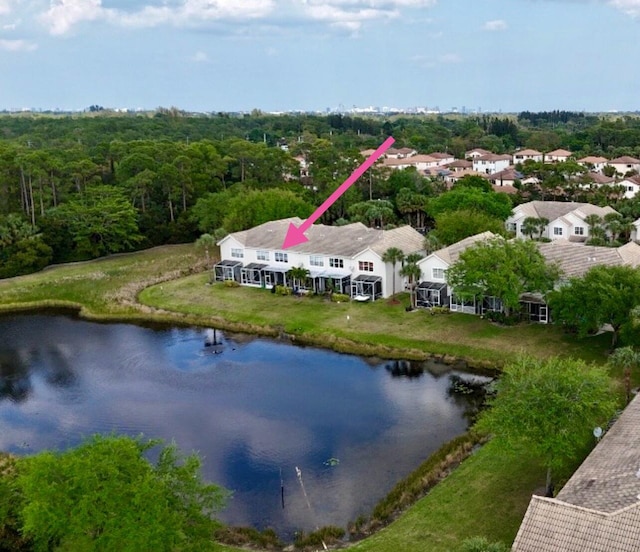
x=329 y=535
x=340 y=298
x=480 y=544
x=244 y=536
x=231 y=284
x=283 y=290
x=439 y=310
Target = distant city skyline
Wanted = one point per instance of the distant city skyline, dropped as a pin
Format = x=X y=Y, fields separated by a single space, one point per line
x=314 y=55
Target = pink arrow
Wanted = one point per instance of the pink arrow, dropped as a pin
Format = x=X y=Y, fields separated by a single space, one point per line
x=295 y=234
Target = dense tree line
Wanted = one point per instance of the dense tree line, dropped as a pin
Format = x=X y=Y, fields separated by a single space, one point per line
x=76 y=187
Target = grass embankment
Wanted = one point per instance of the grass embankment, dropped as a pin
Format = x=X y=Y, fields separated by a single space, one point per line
x=487 y=495
x=379 y=328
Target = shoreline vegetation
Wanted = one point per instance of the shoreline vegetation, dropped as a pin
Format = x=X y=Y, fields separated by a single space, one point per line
x=486 y=495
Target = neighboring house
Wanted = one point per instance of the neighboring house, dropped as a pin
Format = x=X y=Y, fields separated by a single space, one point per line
x=421 y=162
x=631 y=186
x=575 y=259
x=491 y=163
x=433 y=290
x=443 y=158
x=346 y=258
x=594 y=163
x=566 y=219
x=304 y=165
x=402 y=153
x=506 y=177
x=526 y=155
x=598 y=509
x=459 y=165
x=476 y=152
x=635 y=233
x=557 y=156
x=625 y=164
x=453 y=177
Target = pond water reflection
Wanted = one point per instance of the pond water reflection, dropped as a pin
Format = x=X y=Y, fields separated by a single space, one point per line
x=255 y=409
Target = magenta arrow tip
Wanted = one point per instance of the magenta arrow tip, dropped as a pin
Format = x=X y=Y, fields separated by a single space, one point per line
x=294 y=236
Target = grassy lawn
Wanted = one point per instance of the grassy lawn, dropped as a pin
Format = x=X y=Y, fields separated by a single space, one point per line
x=380 y=327
x=487 y=495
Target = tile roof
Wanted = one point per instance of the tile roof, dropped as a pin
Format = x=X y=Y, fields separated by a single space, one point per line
x=575 y=259
x=593 y=159
x=529 y=152
x=560 y=153
x=451 y=253
x=343 y=241
x=459 y=163
x=598 y=510
x=625 y=160
x=599 y=178
x=555 y=209
x=494 y=157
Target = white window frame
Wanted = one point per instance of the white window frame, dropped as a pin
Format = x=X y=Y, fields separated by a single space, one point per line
x=558 y=231
x=435 y=271
x=316 y=260
x=335 y=262
x=578 y=231
x=237 y=253
x=365 y=266
x=262 y=255
x=281 y=257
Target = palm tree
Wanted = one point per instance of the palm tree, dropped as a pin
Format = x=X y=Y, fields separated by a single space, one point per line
x=594 y=222
x=393 y=255
x=412 y=272
x=529 y=226
x=431 y=243
x=542 y=224
x=206 y=242
x=299 y=275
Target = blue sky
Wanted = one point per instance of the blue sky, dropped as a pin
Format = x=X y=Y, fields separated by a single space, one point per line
x=223 y=55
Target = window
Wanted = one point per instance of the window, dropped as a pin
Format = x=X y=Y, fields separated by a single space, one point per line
x=281 y=257
x=262 y=255
x=437 y=273
x=336 y=263
x=237 y=253
x=578 y=231
x=557 y=231
x=365 y=266
x=316 y=260
x=511 y=226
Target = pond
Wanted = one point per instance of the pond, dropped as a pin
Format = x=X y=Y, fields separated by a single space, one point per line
x=255 y=409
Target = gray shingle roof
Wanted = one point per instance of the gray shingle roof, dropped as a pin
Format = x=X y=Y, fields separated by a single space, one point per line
x=342 y=241
x=598 y=510
x=575 y=259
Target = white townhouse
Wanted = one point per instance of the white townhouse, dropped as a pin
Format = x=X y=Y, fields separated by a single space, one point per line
x=566 y=219
x=433 y=290
x=459 y=165
x=443 y=158
x=631 y=186
x=635 y=233
x=625 y=164
x=557 y=156
x=347 y=259
x=401 y=153
x=527 y=155
x=421 y=162
x=476 y=152
x=593 y=162
x=491 y=163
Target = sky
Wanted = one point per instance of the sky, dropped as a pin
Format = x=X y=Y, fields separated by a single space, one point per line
x=283 y=55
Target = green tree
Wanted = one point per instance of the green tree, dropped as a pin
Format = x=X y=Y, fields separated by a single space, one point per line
x=206 y=243
x=549 y=408
x=604 y=295
x=22 y=248
x=491 y=203
x=105 y=495
x=501 y=268
x=453 y=226
x=625 y=359
x=411 y=271
x=299 y=275
x=393 y=255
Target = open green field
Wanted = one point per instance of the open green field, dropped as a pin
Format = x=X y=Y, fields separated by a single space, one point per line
x=487 y=495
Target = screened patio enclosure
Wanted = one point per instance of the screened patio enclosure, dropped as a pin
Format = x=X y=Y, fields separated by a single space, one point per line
x=534 y=308
x=227 y=270
x=432 y=294
x=253 y=275
x=322 y=282
x=365 y=288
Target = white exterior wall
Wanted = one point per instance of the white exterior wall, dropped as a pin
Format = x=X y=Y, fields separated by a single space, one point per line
x=630 y=188
x=567 y=229
x=635 y=233
x=379 y=269
x=490 y=167
x=625 y=168
x=227 y=244
x=576 y=222
x=516 y=218
x=517 y=158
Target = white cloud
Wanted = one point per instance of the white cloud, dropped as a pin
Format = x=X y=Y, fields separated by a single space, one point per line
x=427 y=62
x=200 y=57
x=630 y=7
x=17 y=45
x=62 y=15
x=495 y=25
x=5 y=6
